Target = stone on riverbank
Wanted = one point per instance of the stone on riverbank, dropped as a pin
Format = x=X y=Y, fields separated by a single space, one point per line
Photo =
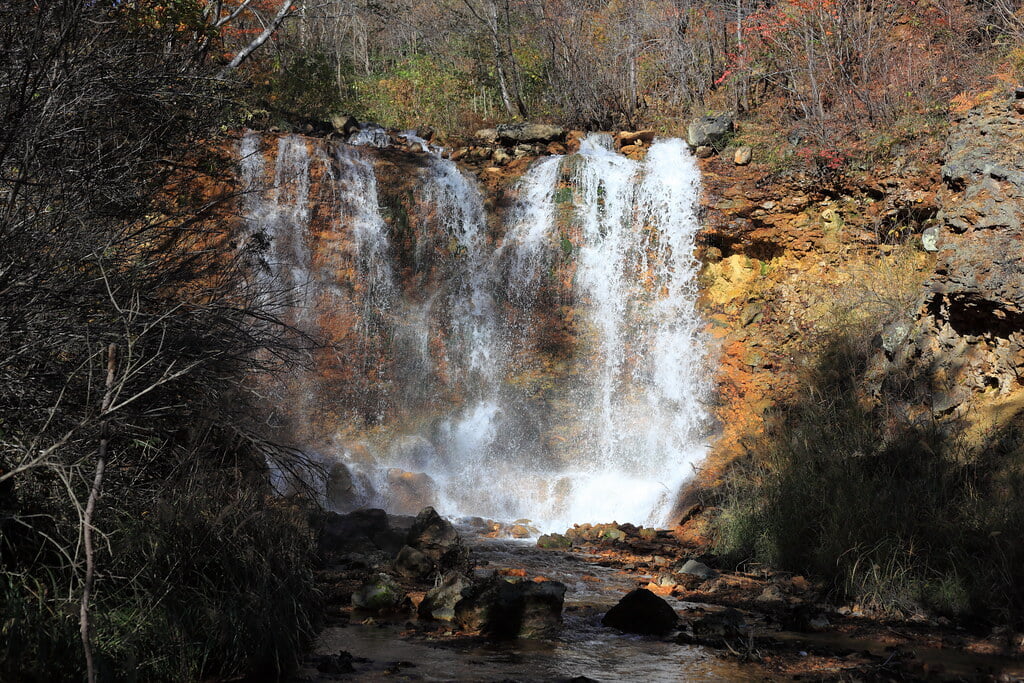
x=363 y=531
x=643 y=612
x=378 y=594
x=554 y=542
x=694 y=568
x=729 y=623
x=413 y=563
x=439 y=603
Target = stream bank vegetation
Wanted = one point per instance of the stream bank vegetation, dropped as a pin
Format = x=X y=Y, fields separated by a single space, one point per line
x=856 y=481
x=139 y=536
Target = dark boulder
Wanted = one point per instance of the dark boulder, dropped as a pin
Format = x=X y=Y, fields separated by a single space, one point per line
x=643 y=612
x=498 y=608
x=728 y=623
x=436 y=538
x=354 y=532
x=413 y=564
x=439 y=603
x=554 y=542
x=340 y=663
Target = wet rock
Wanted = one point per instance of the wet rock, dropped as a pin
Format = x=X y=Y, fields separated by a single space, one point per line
x=355 y=531
x=695 y=568
x=501 y=157
x=344 y=124
x=439 y=602
x=529 y=132
x=378 y=594
x=609 y=532
x=519 y=531
x=743 y=155
x=341 y=663
x=413 y=563
x=340 y=488
x=498 y=608
x=554 y=542
x=632 y=151
x=709 y=131
x=435 y=537
x=409 y=492
x=521 y=151
x=728 y=623
x=643 y=612
x=643 y=137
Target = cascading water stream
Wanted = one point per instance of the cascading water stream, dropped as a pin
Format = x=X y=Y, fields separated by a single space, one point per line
x=550 y=369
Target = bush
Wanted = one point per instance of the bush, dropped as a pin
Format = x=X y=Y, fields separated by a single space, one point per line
x=130 y=333
x=207 y=578
x=895 y=513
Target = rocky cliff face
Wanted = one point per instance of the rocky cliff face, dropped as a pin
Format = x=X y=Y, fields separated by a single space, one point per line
x=969 y=334
x=924 y=262
x=791 y=263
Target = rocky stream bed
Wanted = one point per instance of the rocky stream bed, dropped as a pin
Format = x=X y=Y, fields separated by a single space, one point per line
x=419 y=599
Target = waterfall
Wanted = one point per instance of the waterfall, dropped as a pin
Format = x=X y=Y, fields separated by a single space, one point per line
x=530 y=227
x=547 y=364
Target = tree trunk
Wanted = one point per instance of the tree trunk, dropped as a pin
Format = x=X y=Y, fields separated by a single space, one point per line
x=282 y=13
x=90 y=509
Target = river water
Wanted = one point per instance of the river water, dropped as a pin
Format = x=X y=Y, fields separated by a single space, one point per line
x=391 y=651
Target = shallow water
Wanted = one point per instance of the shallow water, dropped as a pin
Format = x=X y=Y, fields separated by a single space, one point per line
x=584 y=647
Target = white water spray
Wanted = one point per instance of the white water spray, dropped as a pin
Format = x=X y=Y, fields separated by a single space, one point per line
x=606 y=428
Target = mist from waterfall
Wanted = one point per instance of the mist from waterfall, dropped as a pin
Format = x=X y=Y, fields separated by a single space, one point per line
x=486 y=413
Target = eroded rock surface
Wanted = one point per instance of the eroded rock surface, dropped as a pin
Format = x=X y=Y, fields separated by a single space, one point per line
x=969 y=336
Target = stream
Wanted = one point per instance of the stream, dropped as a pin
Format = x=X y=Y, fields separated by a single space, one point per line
x=390 y=650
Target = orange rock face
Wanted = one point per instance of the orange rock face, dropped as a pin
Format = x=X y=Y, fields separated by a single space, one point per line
x=784 y=262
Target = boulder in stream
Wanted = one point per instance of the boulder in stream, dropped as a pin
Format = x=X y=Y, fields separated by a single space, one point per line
x=364 y=531
x=409 y=492
x=439 y=602
x=379 y=593
x=643 y=612
x=498 y=608
x=436 y=538
x=728 y=623
x=413 y=564
x=554 y=542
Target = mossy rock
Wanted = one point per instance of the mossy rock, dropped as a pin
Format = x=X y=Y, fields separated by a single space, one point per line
x=554 y=542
